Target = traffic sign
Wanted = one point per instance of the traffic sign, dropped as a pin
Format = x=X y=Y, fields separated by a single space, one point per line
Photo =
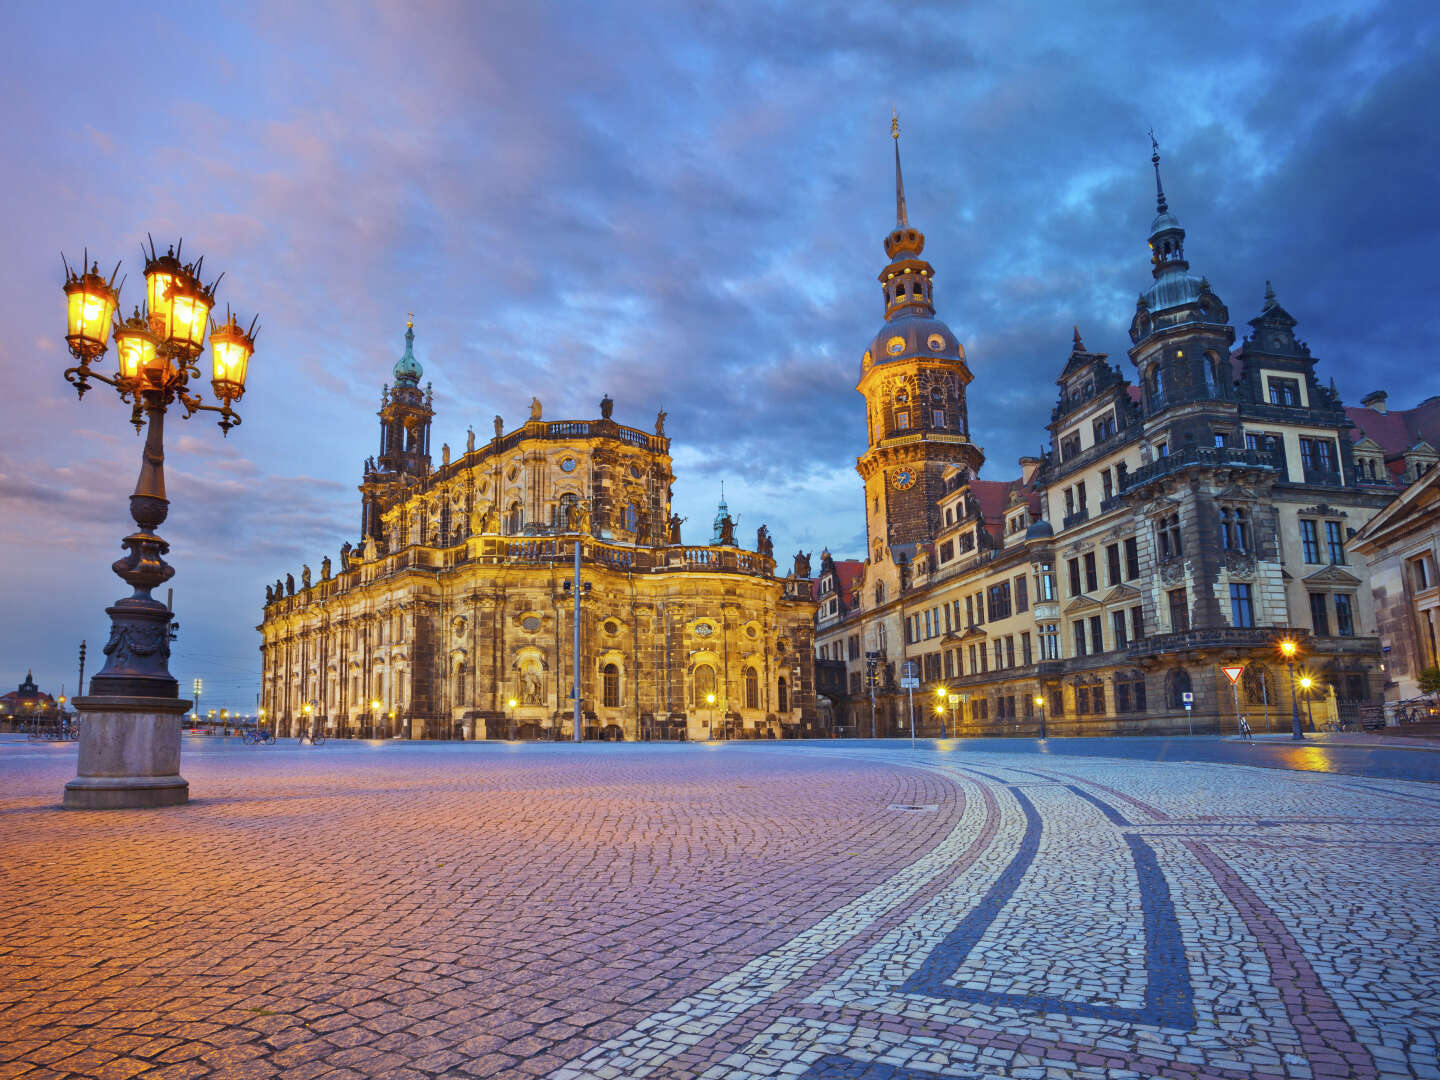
x=908 y=683
x=910 y=668
x=1233 y=673
x=954 y=699
x=1188 y=698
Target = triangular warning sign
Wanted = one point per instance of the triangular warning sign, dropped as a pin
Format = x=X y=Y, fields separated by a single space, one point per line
x=1233 y=673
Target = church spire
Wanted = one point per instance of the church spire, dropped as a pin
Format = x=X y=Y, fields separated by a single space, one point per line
x=1160 y=206
x=902 y=219
x=407 y=368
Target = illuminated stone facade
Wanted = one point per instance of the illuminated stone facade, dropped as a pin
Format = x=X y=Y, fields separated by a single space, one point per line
x=1172 y=527
x=457 y=601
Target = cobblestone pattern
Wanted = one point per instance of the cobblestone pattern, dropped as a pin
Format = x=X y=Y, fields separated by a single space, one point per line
x=747 y=912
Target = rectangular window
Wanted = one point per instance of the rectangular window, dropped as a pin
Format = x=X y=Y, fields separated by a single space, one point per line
x=1069 y=446
x=1092 y=579
x=1335 y=541
x=1107 y=486
x=1078 y=630
x=1242 y=608
x=1319 y=615
x=1179 y=610
x=1104 y=428
x=969 y=611
x=949 y=663
x=948 y=627
x=1049 y=641
x=1026 y=657
x=1420 y=573
x=1284 y=391
x=984 y=660
x=1080 y=493
x=1022 y=594
x=1074 y=565
x=999 y=655
x=1009 y=650
x=937 y=418
x=1047 y=582
x=1344 y=615
x=974 y=664
x=1310 y=540
x=1000 y=601
x=927 y=625
x=1069 y=502
x=902 y=420
x=1117 y=627
x=947 y=551
x=1132 y=559
x=980 y=607
x=1097 y=637
x=1137 y=623
x=1112 y=564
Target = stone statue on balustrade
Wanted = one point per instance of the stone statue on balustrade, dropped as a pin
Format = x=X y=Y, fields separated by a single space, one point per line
x=305 y=576
x=802 y=564
x=325 y=568
x=727 y=531
x=763 y=544
x=675 y=522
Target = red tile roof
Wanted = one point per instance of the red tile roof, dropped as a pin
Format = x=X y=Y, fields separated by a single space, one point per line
x=1399 y=429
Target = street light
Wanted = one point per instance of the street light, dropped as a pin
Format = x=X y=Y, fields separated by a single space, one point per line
x=375 y=721
x=1306 y=682
x=510 y=718
x=1288 y=649
x=130 y=741
x=1040 y=704
x=710 y=701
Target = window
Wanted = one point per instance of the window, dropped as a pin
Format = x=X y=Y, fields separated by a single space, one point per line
x=1074 y=565
x=1344 y=615
x=969 y=611
x=1097 y=638
x=1080 y=494
x=1000 y=601
x=927 y=624
x=980 y=607
x=1310 y=540
x=1069 y=502
x=629 y=519
x=1105 y=428
x=1179 y=610
x=1234 y=529
x=937 y=418
x=514 y=518
x=1420 y=573
x=974 y=663
x=1112 y=564
x=855 y=647
x=1078 y=630
x=1009 y=650
x=879 y=593
x=949 y=626
x=1069 y=446
x=702 y=682
x=1284 y=391
x=610 y=692
x=1318 y=456
x=782 y=695
x=1132 y=559
x=1137 y=623
x=949 y=663
x=1168 y=536
x=1335 y=541
x=1177 y=685
x=1022 y=596
x=1046 y=582
x=1090 y=698
x=1129 y=692
x=1242 y=608
x=1107 y=485
x=1163 y=449
x=947 y=549
x=1026 y=656
x=902 y=419
x=1049 y=641
x=1117 y=628
x=1319 y=615
x=999 y=655
x=1092 y=580
x=752 y=689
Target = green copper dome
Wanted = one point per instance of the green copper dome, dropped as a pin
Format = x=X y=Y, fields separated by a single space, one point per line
x=407 y=368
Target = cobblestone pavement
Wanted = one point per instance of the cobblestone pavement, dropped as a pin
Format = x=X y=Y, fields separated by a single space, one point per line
x=747 y=911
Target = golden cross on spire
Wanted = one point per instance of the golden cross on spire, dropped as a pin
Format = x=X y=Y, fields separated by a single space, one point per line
x=895 y=124
x=410 y=322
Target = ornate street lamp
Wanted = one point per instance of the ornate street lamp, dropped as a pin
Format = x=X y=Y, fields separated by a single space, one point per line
x=130 y=741
x=1307 y=683
x=1288 y=649
x=1040 y=704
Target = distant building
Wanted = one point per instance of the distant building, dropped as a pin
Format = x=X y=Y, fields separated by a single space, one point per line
x=457 y=600
x=26 y=703
x=1175 y=524
x=1402 y=546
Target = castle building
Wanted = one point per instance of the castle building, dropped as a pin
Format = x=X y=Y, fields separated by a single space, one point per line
x=452 y=617
x=1178 y=523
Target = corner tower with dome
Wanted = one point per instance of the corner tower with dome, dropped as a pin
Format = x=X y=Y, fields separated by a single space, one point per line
x=913 y=377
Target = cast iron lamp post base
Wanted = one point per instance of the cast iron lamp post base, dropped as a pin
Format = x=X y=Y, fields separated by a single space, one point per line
x=129 y=754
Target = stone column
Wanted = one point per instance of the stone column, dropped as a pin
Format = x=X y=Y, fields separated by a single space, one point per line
x=129 y=755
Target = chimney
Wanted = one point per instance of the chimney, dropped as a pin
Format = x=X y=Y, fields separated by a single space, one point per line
x=1028 y=465
x=1375 y=400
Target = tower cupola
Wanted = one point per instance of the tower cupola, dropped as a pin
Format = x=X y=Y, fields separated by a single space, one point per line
x=407 y=368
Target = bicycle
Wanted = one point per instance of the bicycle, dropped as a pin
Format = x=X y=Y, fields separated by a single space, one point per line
x=256 y=736
x=315 y=735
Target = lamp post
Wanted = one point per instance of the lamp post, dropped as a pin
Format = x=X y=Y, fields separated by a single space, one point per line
x=260 y=717
x=710 y=701
x=309 y=711
x=375 y=719
x=1040 y=704
x=510 y=718
x=1288 y=649
x=1306 y=682
x=942 y=695
x=130 y=741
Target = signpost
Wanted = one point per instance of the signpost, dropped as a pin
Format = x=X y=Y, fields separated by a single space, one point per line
x=954 y=716
x=909 y=682
x=1189 y=700
x=872 y=677
x=1233 y=672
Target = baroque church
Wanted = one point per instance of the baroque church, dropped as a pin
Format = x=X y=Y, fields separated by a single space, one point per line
x=453 y=615
x=1192 y=509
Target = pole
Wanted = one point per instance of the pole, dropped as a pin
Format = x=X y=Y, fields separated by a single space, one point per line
x=576 y=722
x=872 y=707
x=1235 y=693
x=81 y=684
x=1295 y=732
x=1265 y=698
x=910 y=693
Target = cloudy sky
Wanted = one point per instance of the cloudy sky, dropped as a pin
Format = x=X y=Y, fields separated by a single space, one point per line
x=680 y=204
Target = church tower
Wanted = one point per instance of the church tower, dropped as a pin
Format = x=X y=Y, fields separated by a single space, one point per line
x=405 y=415
x=913 y=377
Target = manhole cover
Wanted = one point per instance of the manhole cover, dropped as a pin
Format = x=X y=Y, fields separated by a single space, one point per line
x=915 y=808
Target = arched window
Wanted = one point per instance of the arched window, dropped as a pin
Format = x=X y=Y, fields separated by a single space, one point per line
x=562 y=510
x=752 y=688
x=1157 y=385
x=702 y=682
x=783 y=695
x=1130 y=692
x=1259 y=685
x=460 y=682
x=629 y=518
x=610 y=696
x=1177 y=685
x=514 y=518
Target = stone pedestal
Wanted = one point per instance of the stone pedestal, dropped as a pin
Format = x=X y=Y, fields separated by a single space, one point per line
x=129 y=753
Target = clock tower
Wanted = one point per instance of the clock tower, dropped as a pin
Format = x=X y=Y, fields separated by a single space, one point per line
x=913 y=377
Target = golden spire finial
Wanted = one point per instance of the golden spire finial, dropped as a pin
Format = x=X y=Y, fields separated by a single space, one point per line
x=895 y=124
x=410 y=322
x=902 y=219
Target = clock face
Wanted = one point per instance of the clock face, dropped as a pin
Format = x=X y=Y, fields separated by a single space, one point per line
x=904 y=478
x=568 y=464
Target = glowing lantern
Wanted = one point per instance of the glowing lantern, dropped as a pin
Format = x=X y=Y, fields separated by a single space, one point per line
x=138 y=352
x=230 y=350
x=90 y=305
